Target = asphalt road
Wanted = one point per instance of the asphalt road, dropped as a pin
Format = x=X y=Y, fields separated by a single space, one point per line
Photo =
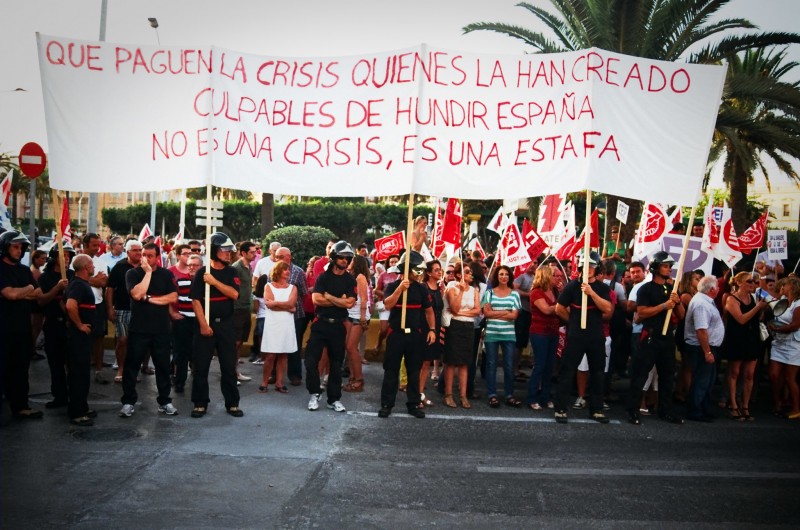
x=281 y=466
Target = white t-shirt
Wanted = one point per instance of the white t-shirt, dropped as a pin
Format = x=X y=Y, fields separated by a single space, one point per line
x=264 y=266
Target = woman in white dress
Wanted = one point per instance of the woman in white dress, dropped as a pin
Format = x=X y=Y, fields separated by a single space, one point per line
x=279 y=337
x=784 y=361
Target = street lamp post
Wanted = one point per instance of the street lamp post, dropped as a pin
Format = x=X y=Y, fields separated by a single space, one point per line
x=91 y=221
x=154 y=24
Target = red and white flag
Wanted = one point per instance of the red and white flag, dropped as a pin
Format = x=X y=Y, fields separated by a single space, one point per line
x=391 y=244
x=594 y=231
x=451 y=228
x=719 y=236
x=498 y=222
x=66 y=230
x=474 y=244
x=551 y=212
x=675 y=217
x=438 y=225
x=753 y=237
x=652 y=229
x=564 y=251
x=146 y=232
x=179 y=237
x=535 y=244
x=512 y=247
x=5 y=194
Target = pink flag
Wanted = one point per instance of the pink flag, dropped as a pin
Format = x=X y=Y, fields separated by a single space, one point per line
x=66 y=230
x=753 y=237
x=391 y=244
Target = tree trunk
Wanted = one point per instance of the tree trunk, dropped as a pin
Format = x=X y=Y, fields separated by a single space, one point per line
x=267 y=213
x=738 y=200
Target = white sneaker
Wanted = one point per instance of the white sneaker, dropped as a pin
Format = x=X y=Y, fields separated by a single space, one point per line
x=126 y=411
x=579 y=403
x=242 y=377
x=313 y=402
x=168 y=409
x=337 y=406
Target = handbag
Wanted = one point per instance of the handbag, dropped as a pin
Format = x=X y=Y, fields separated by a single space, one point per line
x=763 y=331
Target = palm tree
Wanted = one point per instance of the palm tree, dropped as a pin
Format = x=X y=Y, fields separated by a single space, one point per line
x=759 y=117
x=668 y=30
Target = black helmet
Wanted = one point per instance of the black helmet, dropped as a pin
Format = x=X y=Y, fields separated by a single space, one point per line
x=594 y=258
x=417 y=261
x=53 y=254
x=220 y=241
x=341 y=249
x=658 y=259
x=9 y=238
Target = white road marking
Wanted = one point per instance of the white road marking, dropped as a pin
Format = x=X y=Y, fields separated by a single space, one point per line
x=402 y=413
x=646 y=472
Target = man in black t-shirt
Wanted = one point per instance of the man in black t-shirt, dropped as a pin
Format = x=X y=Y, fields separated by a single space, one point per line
x=215 y=330
x=80 y=303
x=589 y=341
x=653 y=301
x=17 y=290
x=334 y=293
x=152 y=289
x=55 y=322
x=118 y=303
x=406 y=342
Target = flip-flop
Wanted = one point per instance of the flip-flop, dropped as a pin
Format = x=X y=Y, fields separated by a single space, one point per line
x=281 y=389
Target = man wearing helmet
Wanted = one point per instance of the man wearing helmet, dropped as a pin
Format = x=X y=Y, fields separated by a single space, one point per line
x=215 y=330
x=653 y=301
x=55 y=322
x=589 y=341
x=420 y=324
x=17 y=290
x=334 y=293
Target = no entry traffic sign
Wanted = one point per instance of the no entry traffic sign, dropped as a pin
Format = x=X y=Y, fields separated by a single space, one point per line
x=32 y=160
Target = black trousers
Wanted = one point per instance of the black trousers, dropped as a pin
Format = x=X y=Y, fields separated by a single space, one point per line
x=295 y=364
x=578 y=343
x=182 y=338
x=79 y=360
x=224 y=342
x=138 y=346
x=401 y=345
x=331 y=335
x=17 y=349
x=55 y=346
x=654 y=350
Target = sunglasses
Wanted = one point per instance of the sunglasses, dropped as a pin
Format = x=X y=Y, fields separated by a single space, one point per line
x=196 y=250
x=749 y=281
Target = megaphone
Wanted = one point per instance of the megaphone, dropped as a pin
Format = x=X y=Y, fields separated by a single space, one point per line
x=778 y=305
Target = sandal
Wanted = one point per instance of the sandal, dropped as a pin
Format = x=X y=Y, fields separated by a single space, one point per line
x=535 y=406
x=465 y=403
x=117 y=378
x=263 y=389
x=424 y=401
x=355 y=385
x=198 y=412
x=733 y=413
x=449 y=401
x=511 y=401
x=494 y=402
x=746 y=415
x=282 y=389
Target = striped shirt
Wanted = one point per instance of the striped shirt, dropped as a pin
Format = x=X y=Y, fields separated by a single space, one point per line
x=498 y=330
x=184 y=281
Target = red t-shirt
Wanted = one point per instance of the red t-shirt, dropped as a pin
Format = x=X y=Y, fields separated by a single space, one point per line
x=542 y=324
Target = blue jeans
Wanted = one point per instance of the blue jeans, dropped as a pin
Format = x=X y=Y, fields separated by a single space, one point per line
x=492 y=349
x=703 y=376
x=544 y=359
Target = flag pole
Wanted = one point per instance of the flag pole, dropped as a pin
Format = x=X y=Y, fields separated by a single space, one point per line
x=208 y=253
x=433 y=236
x=587 y=230
x=795 y=266
x=619 y=231
x=59 y=236
x=680 y=264
x=406 y=265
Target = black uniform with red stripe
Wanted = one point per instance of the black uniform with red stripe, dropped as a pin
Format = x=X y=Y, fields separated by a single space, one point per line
x=149 y=330
x=55 y=333
x=223 y=340
x=16 y=336
x=400 y=344
x=579 y=341
x=79 y=351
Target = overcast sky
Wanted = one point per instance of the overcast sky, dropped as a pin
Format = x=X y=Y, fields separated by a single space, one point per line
x=270 y=27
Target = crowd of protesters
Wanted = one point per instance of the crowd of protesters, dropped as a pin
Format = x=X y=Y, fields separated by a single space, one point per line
x=438 y=321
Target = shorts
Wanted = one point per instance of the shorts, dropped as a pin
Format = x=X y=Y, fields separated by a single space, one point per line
x=122 y=322
x=100 y=324
x=241 y=324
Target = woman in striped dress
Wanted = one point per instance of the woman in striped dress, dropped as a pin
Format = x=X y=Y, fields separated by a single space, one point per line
x=501 y=304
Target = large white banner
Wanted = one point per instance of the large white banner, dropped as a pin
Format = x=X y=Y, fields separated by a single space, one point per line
x=432 y=121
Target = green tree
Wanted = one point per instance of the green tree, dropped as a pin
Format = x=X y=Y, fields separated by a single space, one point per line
x=758 y=118
x=668 y=30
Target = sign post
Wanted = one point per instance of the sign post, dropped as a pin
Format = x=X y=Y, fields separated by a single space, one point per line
x=209 y=214
x=32 y=162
